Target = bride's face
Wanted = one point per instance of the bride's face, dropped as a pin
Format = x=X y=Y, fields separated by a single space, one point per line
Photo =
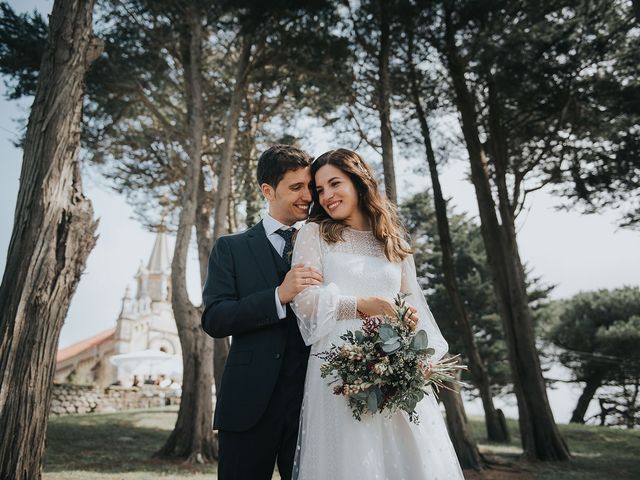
x=336 y=192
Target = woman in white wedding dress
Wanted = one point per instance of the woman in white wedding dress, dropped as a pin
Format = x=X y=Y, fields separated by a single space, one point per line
x=353 y=237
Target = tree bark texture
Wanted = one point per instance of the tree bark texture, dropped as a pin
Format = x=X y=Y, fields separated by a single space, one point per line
x=497 y=430
x=52 y=236
x=541 y=438
x=204 y=233
x=192 y=437
x=384 y=107
x=251 y=189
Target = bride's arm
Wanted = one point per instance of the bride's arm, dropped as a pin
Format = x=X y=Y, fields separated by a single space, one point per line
x=416 y=298
x=317 y=307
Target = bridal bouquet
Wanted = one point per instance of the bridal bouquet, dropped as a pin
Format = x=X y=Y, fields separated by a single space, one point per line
x=386 y=366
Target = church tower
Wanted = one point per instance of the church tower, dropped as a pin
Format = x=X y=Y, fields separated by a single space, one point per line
x=146 y=320
x=159 y=271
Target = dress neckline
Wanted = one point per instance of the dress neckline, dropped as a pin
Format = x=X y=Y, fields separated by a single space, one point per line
x=351 y=229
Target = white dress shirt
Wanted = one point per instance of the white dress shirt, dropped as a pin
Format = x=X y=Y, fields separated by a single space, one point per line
x=271 y=226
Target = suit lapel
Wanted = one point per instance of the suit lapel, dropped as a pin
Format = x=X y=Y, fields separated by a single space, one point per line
x=261 y=248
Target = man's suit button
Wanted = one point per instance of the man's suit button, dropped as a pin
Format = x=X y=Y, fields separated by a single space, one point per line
x=277 y=356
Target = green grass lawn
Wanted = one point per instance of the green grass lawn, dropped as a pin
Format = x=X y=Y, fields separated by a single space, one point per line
x=114 y=446
x=118 y=446
x=598 y=453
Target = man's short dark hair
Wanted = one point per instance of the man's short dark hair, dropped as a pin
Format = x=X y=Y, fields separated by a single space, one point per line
x=278 y=160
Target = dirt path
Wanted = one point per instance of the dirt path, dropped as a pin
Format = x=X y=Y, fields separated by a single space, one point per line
x=498 y=472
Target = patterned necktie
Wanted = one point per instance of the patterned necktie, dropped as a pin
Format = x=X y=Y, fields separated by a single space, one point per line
x=288 y=244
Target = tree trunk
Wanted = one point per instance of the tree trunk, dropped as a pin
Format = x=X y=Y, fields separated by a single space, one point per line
x=603 y=412
x=221 y=345
x=630 y=414
x=230 y=137
x=384 y=109
x=233 y=208
x=192 y=437
x=541 y=428
x=464 y=444
x=203 y=229
x=541 y=438
x=497 y=430
x=53 y=234
x=251 y=189
x=592 y=384
x=204 y=235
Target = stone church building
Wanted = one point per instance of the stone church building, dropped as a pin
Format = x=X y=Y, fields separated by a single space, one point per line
x=145 y=322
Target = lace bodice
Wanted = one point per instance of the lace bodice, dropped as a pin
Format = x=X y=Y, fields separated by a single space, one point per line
x=355 y=267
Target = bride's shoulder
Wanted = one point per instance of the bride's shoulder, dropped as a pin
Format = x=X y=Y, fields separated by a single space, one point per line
x=309 y=232
x=310 y=227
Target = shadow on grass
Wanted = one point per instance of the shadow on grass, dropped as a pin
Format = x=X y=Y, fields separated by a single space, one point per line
x=113 y=443
x=597 y=453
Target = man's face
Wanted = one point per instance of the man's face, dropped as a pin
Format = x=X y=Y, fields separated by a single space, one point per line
x=289 y=202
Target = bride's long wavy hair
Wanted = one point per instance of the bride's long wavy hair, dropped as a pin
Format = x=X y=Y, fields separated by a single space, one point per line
x=381 y=213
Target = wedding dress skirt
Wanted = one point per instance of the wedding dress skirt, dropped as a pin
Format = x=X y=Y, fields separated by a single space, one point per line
x=332 y=444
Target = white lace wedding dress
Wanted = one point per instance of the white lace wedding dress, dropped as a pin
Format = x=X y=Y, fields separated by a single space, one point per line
x=332 y=445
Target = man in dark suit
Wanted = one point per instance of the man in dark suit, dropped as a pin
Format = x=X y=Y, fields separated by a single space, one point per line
x=249 y=285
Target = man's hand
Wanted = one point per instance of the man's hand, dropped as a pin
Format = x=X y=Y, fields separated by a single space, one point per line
x=297 y=279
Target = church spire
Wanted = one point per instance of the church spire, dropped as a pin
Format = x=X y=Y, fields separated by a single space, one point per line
x=127 y=303
x=159 y=261
x=159 y=269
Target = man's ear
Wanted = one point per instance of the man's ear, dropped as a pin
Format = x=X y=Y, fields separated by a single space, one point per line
x=267 y=191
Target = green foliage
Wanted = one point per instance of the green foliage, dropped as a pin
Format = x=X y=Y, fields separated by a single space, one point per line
x=563 y=77
x=598 y=333
x=556 y=87
x=22 y=43
x=621 y=336
x=135 y=115
x=565 y=90
x=597 y=330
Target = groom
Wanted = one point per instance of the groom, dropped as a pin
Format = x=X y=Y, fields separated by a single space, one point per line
x=249 y=285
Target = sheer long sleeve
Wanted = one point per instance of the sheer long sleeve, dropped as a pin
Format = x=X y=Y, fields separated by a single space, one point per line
x=317 y=307
x=416 y=298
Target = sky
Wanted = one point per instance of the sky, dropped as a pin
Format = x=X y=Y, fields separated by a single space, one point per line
x=576 y=252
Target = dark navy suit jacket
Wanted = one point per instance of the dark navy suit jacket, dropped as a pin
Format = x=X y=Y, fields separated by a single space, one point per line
x=239 y=300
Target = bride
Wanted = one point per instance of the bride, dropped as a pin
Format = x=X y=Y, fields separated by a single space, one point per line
x=353 y=236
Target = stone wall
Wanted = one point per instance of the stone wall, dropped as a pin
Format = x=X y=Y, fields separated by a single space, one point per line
x=71 y=399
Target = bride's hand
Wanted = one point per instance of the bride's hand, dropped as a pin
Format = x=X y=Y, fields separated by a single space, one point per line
x=376 y=306
x=411 y=317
